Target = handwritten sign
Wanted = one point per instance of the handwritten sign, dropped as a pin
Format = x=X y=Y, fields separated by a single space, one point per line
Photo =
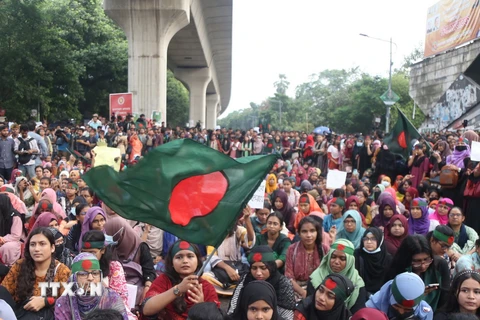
x=336 y=179
x=258 y=197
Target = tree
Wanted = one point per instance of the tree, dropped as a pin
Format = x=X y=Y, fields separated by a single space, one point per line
x=178 y=102
x=282 y=84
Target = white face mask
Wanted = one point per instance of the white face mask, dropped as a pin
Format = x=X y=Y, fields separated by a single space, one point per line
x=386 y=184
x=109 y=239
x=359 y=144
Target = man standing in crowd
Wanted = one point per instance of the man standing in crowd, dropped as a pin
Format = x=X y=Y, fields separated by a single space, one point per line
x=95 y=123
x=7 y=156
x=27 y=150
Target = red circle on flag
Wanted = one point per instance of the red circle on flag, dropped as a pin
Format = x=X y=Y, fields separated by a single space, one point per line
x=402 y=142
x=87 y=245
x=340 y=247
x=196 y=196
x=330 y=284
x=257 y=257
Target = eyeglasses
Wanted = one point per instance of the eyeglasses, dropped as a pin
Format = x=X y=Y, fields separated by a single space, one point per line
x=367 y=239
x=418 y=264
x=455 y=215
x=444 y=246
x=84 y=274
x=349 y=221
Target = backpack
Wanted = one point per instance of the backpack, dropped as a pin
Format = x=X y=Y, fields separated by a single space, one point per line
x=24 y=145
x=448 y=177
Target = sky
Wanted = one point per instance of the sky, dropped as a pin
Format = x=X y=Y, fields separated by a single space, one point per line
x=304 y=37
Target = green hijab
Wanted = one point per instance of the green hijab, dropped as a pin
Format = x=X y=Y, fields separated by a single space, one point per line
x=350 y=272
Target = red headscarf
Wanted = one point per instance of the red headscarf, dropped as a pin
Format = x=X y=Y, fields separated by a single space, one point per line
x=308 y=147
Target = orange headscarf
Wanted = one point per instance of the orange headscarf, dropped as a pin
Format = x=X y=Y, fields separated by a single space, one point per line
x=313 y=207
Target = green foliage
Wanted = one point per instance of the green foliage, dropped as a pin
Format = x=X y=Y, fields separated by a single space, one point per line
x=347 y=101
x=178 y=102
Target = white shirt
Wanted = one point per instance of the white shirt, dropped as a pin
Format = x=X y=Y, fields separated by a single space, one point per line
x=33 y=145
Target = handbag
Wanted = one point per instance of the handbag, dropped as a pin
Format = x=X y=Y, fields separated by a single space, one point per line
x=222 y=275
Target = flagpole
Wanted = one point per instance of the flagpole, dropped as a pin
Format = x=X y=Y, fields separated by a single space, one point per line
x=199 y=273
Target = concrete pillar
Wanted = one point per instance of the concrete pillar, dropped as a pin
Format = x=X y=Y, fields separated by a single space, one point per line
x=149 y=26
x=212 y=105
x=196 y=80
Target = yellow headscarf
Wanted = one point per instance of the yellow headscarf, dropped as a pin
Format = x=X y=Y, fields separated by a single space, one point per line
x=269 y=189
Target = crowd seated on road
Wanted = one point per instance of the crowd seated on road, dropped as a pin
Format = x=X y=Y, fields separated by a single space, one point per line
x=396 y=240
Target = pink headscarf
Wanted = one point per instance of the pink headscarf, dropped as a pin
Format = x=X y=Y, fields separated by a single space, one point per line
x=17 y=204
x=44 y=220
x=50 y=195
x=436 y=216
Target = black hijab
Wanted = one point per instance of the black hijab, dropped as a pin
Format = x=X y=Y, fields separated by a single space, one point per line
x=343 y=288
x=372 y=266
x=253 y=292
x=7 y=212
x=58 y=248
x=271 y=265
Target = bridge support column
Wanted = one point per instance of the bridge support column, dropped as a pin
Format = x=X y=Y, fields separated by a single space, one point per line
x=212 y=105
x=149 y=26
x=196 y=80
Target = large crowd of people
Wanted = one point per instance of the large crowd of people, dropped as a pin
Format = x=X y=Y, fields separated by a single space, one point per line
x=398 y=241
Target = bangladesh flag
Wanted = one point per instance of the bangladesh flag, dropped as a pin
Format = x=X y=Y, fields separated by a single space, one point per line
x=183 y=187
x=400 y=139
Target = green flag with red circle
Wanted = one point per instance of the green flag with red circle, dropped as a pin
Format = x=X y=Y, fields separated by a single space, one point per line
x=400 y=139
x=183 y=187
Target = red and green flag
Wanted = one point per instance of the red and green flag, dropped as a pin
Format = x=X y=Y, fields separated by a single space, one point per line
x=400 y=140
x=183 y=187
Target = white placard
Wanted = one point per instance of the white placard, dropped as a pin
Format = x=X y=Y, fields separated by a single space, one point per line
x=258 y=197
x=132 y=295
x=475 y=152
x=336 y=179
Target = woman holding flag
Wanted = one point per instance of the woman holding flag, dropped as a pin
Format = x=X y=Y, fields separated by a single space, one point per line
x=173 y=293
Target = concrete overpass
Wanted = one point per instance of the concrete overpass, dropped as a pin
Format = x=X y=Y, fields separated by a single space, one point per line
x=193 y=38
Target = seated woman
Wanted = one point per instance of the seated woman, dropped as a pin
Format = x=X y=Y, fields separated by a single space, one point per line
x=43 y=206
x=12 y=232
x=174 y=292
x=304 y=256
x=340 y=259
x=45 y=220
x=73 y=237
x=395 y=231
x=259 y=221
x=275 y=239
x=440 y=215
x=85 y=271
x=94 y=219
x=418 y=222
x=113 y=274
x=372 y=259
x=441 y=240
x=329 y=300
x=386 y=210
x=306 y=205
x=415 y=255
x=465 y=236
x=226 y=265
x=62 y=254
x=463 y=296
x=281 y=204
x=258 y=300
x=351 y=229
x=263 y=267
x=39 y=265
x=469 y=261
x=401 y=298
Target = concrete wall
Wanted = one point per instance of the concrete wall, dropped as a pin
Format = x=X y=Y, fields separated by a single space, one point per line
x=432 y=77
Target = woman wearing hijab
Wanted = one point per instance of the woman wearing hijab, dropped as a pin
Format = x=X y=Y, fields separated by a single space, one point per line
x=386 y=210
x=263 y=267
x=418 y=222
x=132 y=253
x=395 y=232
x=50 y=195
x=272 y=184
x=372 y=259
x=258 y=300
x=281 y=204
x=329 y=300
x=340 y=259
x=439 y=156
x=308 y=149
x=17 y=204
x=351 y=229
x=440 y=215
x=62 y=254
x=24 y=190
x=410 y=194
x=12 y=232
x=45 y=220
x=95 y=219
x=43 y=206
x=86 y=266
x=306 y=205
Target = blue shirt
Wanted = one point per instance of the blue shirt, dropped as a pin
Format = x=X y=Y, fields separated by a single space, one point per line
x=328 y=222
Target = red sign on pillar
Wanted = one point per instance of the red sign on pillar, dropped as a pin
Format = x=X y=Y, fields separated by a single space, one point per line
x=121 y=104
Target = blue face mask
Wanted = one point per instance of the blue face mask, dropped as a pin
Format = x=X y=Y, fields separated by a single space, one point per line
x=109 y=239
x=359 y=144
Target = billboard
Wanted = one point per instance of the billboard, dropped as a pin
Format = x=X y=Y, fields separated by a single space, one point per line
x=121 y=104
x=451 y=23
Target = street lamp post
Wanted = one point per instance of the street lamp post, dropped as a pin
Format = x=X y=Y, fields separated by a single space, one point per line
x=391 y=101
